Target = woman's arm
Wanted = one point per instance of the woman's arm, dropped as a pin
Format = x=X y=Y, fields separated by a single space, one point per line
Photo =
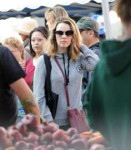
x=88 y=58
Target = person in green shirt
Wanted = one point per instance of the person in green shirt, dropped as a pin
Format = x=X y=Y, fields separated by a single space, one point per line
x=108 y=98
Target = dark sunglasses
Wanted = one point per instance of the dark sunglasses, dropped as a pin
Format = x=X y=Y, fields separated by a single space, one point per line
x=67 y=33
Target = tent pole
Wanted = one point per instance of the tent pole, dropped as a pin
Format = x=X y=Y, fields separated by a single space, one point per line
x=105 y=9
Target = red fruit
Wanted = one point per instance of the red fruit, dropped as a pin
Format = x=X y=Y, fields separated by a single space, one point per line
x=60 y=144
x=2 y=131
x=59 y=148
x=39 y=129
x=40 y=148
x=22 y=128
x=17 y=136
x=5 y=138
x=72 y=131
x=21 y=145
x=30 y=120
x=46 y=138
x=50 y=128
x=61 y=135
x=50 y=147
x=14 y=127
x=79 y=144
x=30 y=146
x=45 y=123
x=32 y=137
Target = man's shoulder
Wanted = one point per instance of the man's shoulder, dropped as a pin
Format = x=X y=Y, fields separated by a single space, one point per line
x=95 y=46
x=3 y=52
x=3 y=49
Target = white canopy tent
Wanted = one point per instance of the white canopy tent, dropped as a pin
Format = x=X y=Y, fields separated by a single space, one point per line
x=20 y=4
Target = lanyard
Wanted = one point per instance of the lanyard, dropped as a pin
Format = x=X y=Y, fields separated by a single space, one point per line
x=66 y=70
x=65 y=84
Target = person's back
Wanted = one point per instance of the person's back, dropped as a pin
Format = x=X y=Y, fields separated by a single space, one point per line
x=109 y=96
x=17 y=49
x=8 y=105
x=11 y=81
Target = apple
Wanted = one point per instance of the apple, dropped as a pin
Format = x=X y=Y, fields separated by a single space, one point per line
x=46 y=138
x=62 y=144
x=17 y=136
x=79 y=144
x=30 y=120
x=32 y=137
x=5 y=138
x=61 y=135
x=22 y=128
x=50 y=128
x=72 y=131
x=21 y=145
x=40 y=148
x=39 y=129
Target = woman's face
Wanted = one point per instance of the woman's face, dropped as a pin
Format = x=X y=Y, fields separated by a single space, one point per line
x=63 y=36
x=37 y=42
x=50 y=22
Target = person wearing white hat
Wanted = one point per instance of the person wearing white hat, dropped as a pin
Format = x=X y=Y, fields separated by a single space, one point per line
x=24 y=28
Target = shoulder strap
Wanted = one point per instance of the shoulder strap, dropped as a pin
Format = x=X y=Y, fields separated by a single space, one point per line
x=48 y=70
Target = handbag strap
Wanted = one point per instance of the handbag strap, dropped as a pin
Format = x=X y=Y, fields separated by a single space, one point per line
x=65 y=85
x=48 y=70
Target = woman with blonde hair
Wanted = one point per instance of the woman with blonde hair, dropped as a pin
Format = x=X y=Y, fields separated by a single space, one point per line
x=52 y=14
x=17 y=49
x=65 y=45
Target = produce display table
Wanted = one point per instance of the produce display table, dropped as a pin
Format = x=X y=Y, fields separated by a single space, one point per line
x=28 y=135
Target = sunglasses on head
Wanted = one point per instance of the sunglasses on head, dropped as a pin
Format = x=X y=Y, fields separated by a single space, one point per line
x=67 y=33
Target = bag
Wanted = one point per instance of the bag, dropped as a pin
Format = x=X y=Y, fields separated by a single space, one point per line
x=77 y=119
x=51 y=98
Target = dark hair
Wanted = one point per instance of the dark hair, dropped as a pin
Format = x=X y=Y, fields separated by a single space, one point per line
x=96 y=34
x=44 y=32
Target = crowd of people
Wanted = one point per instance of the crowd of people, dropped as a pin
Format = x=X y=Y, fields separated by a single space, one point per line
x=97 y=73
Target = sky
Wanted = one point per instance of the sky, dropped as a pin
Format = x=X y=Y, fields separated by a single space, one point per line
x=20 y=4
